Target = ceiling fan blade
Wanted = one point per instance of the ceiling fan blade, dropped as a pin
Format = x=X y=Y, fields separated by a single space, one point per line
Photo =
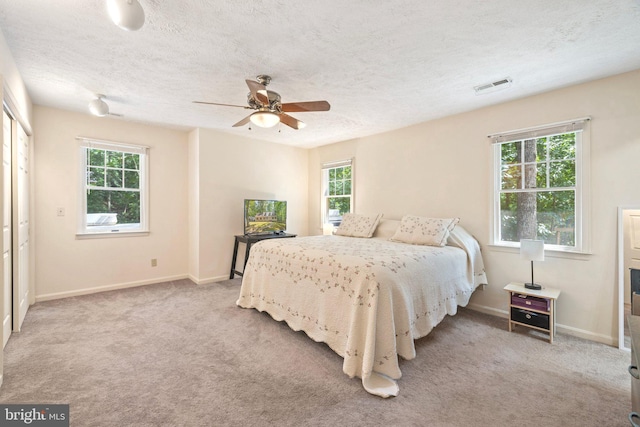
x=259 y=92
x=291 y=122
x=243 y=121
x=299 y=107
x=224 y=105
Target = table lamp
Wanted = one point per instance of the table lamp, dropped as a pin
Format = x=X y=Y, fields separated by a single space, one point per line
x=532 y=250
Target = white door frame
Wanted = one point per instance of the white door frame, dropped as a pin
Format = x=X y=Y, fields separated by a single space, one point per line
x=622 y=274
x=20 y=221
x=7 y=229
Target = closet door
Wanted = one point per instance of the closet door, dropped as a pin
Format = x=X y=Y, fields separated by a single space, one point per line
x=20 y=227
x=7 y=279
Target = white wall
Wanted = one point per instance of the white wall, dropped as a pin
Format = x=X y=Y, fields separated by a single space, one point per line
x=67 y=266
x=14 y=90
x=194 y=205
x=443 y=168
x=231 y=169
x=198 y=181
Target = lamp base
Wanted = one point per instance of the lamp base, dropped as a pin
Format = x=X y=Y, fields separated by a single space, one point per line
x=534 y=286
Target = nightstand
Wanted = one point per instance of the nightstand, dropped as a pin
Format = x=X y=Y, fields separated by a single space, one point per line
x=248 y=240
x=535 y=309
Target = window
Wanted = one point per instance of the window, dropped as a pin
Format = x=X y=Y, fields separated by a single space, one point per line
x=337 y=191
x=539 y=187
x=113 y=188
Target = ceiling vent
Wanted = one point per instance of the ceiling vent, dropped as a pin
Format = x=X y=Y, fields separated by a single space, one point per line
x=493 y=86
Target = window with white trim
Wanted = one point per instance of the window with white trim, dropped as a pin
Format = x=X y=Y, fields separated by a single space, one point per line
x=337 y=191
x=539 y=186
x=113 y=188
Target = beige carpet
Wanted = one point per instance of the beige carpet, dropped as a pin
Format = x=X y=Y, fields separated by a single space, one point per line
x=177 y=354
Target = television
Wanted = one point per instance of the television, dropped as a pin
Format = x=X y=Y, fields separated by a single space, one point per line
x=265 y=216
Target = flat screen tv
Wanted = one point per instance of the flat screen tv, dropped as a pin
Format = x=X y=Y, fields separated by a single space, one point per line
x=265 y=216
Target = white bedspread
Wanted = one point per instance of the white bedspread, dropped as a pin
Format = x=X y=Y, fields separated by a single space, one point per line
x=368 y=299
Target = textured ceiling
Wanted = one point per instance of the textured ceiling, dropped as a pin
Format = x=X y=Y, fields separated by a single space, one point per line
x=382 y=65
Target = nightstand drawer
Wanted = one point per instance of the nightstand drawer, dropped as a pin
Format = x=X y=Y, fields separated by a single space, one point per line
x=530 y=318
x=528 y=301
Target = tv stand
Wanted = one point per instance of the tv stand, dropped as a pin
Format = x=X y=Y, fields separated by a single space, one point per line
x=248 y=240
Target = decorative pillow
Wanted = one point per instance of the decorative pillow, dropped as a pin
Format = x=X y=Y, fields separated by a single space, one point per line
x=354 y=225
x=419 y=230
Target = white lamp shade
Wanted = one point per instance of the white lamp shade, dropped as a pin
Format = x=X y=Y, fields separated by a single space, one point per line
x=126 y=14
x=98 y=107
x=264 y=119
x=532 y=250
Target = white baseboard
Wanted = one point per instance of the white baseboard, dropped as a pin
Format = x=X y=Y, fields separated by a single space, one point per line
x=488 y=310
x=581 y=333
x=87 y=291
x=208 y=280
x=569 y=330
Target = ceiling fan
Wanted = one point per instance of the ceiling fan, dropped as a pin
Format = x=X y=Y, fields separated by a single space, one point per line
x=269 y=109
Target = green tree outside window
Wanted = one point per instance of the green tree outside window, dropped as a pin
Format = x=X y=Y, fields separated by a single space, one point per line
x=538 y=189
x=113 y=184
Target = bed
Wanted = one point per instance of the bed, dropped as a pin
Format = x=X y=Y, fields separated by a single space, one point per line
x=368 y=299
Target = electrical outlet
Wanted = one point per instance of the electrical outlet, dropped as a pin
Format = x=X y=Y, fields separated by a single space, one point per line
x=154 y=262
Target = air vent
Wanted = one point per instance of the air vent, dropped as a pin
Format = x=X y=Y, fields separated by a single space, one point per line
x=493 y=86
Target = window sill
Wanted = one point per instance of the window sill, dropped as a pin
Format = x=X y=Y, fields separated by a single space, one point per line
x=551 y=253
x=108 y=235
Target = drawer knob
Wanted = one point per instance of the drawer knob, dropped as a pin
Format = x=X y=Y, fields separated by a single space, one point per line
x=633 y=370
x=528 y=316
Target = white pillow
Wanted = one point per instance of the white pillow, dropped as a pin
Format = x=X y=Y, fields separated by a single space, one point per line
x=355 y=225
x=460 y=237
x=386 y=228
x=419 y=230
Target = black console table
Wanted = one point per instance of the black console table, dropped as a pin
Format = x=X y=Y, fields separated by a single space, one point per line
x=249 y=240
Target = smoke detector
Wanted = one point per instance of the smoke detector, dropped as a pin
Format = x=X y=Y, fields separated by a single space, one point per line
x=493 y=86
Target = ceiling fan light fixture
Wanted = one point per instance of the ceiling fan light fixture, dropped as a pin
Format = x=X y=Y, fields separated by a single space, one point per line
x=126 y=14
x=98 y=107
x=265 y=119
